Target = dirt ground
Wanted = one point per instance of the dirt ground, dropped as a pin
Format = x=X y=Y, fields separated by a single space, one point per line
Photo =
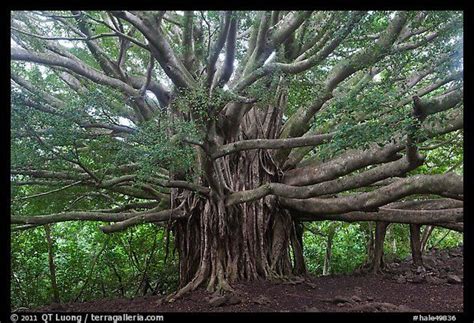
x=401 y=288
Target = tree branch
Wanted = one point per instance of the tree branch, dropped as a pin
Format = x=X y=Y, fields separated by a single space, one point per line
x=446 y=218
x=165 y=215
x=396 y=168
x=271 y=144
x=217 y=47
x=421 y=184
x=160 y=48
x=342 y=165
x=298 y=123
x=47 y=193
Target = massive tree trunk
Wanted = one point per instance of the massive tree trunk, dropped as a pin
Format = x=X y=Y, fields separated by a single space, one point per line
x=220 y=244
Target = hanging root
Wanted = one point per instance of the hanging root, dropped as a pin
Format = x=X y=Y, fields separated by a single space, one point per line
x=219 y=245
x=217 y=283
x=189 y=287
x=208 y=245
x=222 y=285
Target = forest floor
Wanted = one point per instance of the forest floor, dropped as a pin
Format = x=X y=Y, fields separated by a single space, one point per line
x=401 y=288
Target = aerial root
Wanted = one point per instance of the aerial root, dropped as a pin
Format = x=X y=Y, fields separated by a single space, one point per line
x=192 y=285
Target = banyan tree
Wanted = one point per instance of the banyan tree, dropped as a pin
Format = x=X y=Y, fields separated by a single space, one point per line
x=232 y=128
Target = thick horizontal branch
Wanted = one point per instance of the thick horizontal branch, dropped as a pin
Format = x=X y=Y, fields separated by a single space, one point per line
x=395 y=168
x=71 y=216
x=113 y=184
x=157 y=181
x=454 y=121
x=443 y=102
x=131 y=206
x=271 y=144
x=356 y=159
x=342 y=165
x=440 y=184
x=181 y=184
x=115 y=128
x=430 y=204
x=73 y=65
x=446 y=217
x=164 y=215
x=413 y=45
x=123 y=219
